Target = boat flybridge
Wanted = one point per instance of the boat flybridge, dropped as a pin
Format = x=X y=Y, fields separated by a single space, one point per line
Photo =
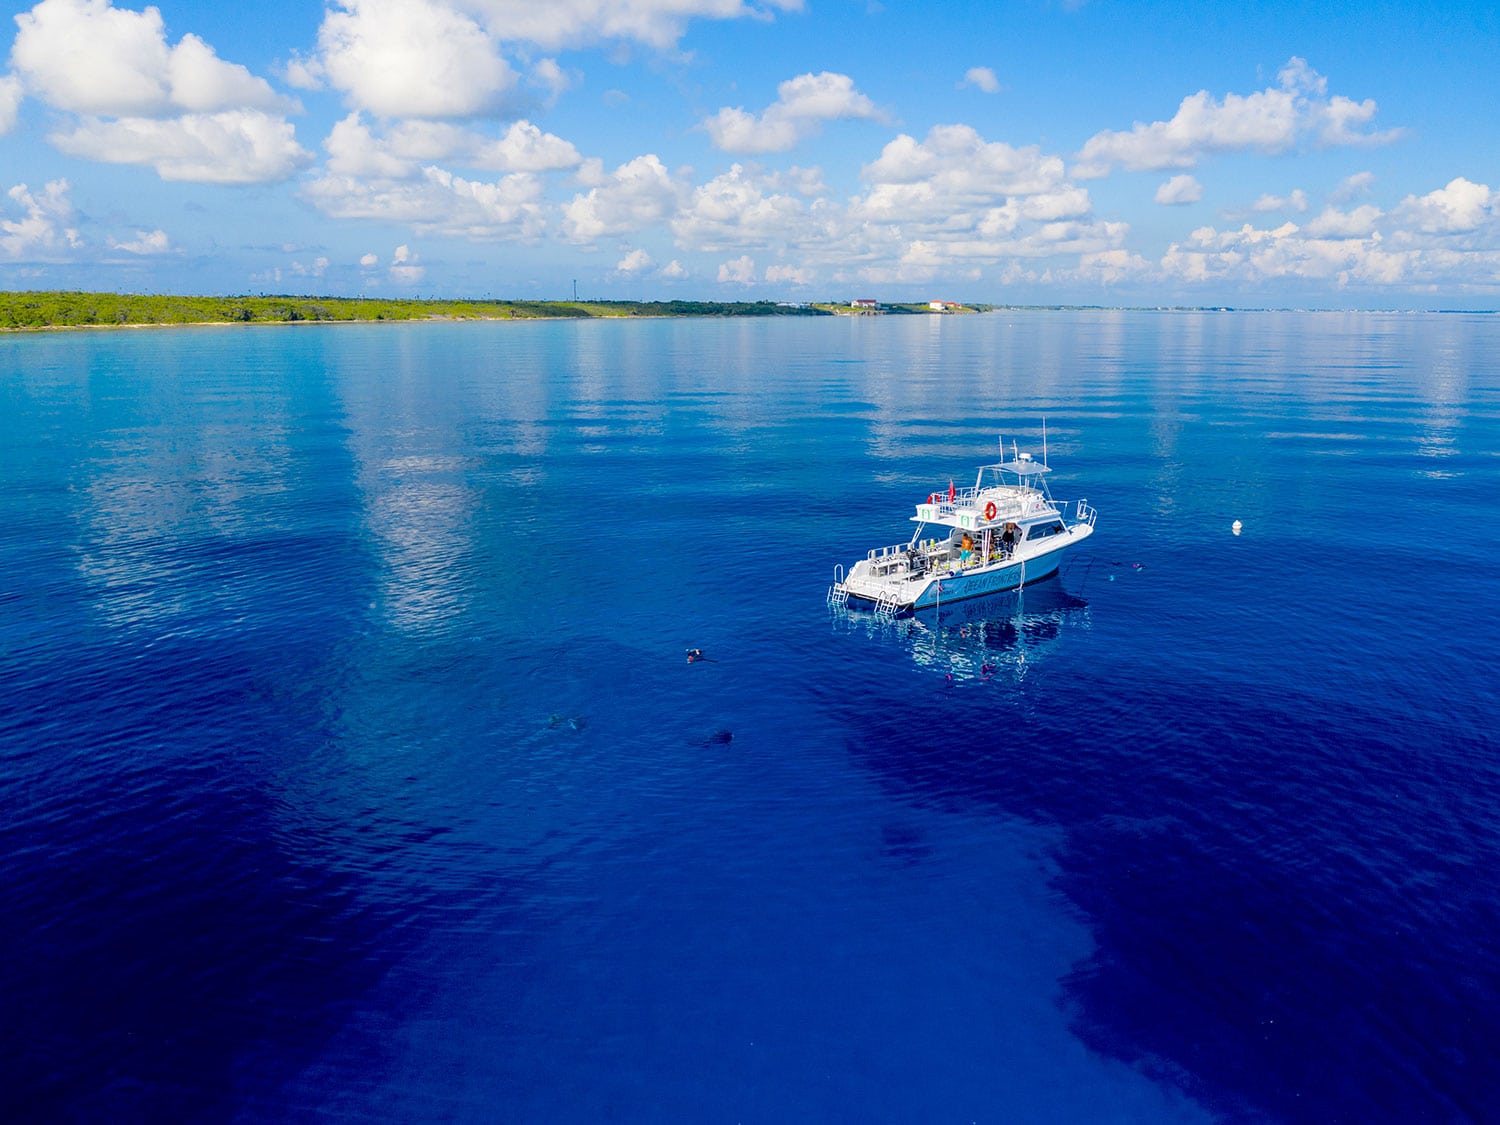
x=1002 y=533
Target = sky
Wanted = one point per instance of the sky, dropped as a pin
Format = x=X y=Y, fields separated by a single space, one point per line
x=1099 y=153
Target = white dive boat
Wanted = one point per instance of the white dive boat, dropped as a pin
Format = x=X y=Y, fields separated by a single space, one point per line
x=999 y=535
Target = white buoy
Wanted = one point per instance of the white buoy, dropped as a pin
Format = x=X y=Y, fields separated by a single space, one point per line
x=1236 y=527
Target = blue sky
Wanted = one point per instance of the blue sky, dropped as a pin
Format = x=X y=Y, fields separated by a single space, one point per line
x=1095 y=153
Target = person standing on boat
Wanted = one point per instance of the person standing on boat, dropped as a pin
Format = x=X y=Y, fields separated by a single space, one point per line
x=966 y=550
x=1008 y=539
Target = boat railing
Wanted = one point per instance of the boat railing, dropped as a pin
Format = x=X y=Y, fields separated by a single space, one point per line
x=944 y=507
x=1006 y=508
x=948 y=503
x=1082 y=512
x=884 y=561
x=942 y=552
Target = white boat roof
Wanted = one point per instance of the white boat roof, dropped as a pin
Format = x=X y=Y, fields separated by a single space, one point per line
x=1024 y=465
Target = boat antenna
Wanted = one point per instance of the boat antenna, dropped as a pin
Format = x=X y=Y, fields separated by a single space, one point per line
x=1044 y=442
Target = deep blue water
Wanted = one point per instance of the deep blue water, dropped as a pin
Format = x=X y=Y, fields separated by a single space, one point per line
x=351 y=767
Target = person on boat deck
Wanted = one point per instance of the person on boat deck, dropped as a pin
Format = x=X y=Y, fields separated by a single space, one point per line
x=1009 y=538
x=966 y=548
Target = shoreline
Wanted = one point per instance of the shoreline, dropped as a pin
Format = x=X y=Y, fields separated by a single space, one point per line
x=332 y=322
x=24 y=311
x=47 y=310
x=27 y=328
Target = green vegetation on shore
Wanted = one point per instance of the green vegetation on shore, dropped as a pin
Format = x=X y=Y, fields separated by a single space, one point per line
x=20 y=310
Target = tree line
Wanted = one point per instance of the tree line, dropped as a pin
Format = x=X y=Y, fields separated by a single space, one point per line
x=66 y=309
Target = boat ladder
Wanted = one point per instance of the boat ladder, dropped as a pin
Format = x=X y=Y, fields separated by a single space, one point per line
x=838 y=593
x=888 y=604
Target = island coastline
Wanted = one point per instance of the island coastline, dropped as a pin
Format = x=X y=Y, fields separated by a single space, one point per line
x=45 y=311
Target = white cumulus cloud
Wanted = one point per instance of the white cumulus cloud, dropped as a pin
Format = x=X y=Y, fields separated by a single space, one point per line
x=551 y=77
x=89 y=57
x=145 y=243
x=634 y=262
x=316 y=268
x=439 y=202
x=1255 y=255
x=178 y=108
x=400 y=152
x=405 y=268
x=953 y=170
x=962 y=162
x=745 y=208
x=1457 y=208
x=47 y=229
x=1110 y=267
x=657 y=23
x=525 y=148
x=1332 y=223
x=802 y=104
x=740 y=271
x=954 y=204
x=353 y=150
x=734 y=130
x=1352 y=187
x=1449 y=237
x=981 y=78
x=636 y=195
x=1274 y=120
x=232 y=147
x=10 y=102
x=412 y=58
x=447 y=58
x=1296 y=201
x=1179 y=190
x=200 y=82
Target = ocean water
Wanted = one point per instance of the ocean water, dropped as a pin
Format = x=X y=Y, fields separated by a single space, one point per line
x=351 y=766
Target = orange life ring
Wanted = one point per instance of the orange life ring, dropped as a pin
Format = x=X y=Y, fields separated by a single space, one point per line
x=989 y=510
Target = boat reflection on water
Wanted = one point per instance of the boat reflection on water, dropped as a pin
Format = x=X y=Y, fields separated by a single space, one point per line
x=996 y=637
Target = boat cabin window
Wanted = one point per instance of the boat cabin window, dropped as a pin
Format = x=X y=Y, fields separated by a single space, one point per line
x=1042 y=530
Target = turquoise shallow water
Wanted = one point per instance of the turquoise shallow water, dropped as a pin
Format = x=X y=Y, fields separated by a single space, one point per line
x=352 y=765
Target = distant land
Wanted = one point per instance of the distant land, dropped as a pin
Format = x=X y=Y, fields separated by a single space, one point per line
x=40 y=310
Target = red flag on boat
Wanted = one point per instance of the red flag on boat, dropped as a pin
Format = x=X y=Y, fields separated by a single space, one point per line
x=951 y=492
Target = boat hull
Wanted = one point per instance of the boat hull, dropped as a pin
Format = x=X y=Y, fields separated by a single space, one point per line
x=957 y=585
x=978 y=583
